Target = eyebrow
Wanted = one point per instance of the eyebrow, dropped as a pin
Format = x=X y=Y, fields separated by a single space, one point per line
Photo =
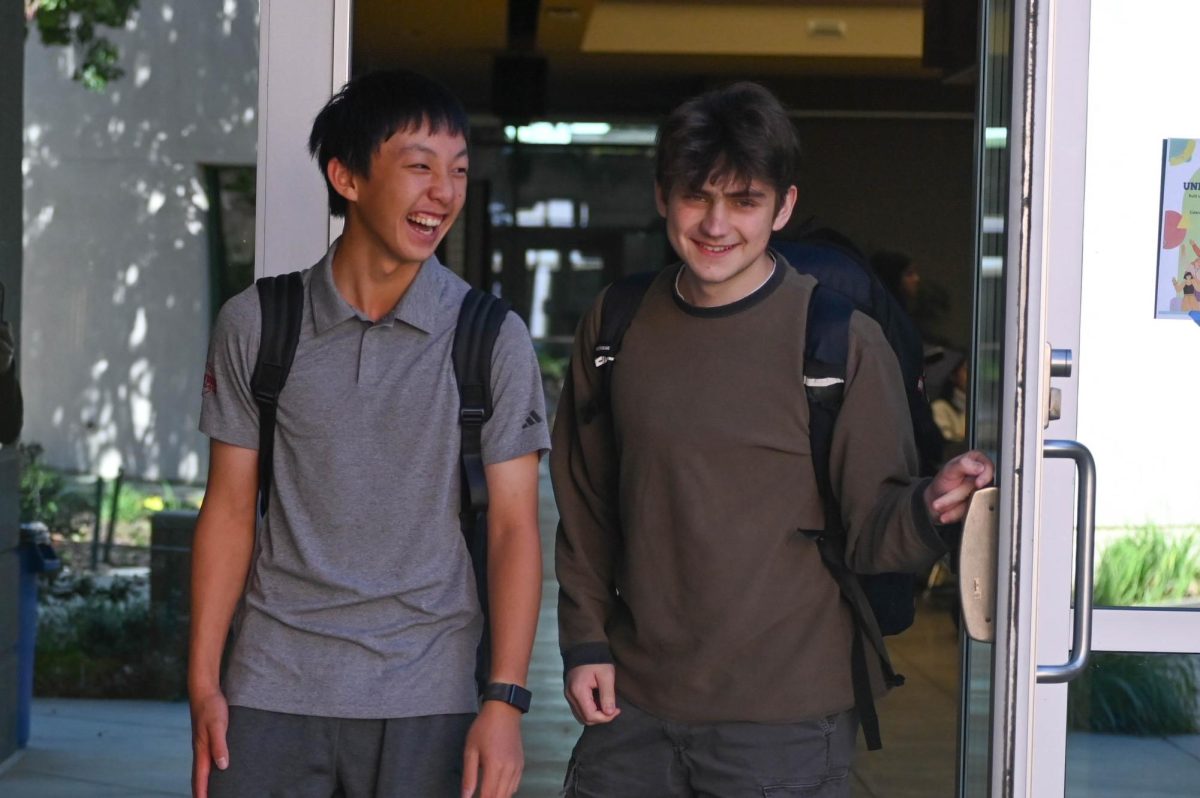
x=430 y=151
x=746 y=193
x=750 y=193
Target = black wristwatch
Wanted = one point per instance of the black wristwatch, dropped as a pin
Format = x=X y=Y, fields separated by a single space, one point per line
x=511 y=694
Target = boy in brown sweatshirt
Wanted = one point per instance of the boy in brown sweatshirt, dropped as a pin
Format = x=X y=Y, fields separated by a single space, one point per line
x=706 y=645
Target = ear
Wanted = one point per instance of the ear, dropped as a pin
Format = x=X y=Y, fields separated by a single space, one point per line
x=785 y=209
x=343 y=180
x=660 y=200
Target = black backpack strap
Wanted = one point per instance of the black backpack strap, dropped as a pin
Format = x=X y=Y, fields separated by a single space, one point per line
x=826 y=350
x=281 y=298
x=479 y=320
x=620 y=305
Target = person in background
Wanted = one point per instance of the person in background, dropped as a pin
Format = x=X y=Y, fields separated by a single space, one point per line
x=897 y=272
x=950 y=408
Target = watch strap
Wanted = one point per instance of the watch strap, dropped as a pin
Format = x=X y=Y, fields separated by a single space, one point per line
x=512 y=694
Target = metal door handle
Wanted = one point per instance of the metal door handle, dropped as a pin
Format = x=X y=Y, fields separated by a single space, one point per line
x=977 y=554
x=1085 y=547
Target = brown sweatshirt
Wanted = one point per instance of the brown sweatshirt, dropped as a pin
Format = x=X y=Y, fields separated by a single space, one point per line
x=681 y=556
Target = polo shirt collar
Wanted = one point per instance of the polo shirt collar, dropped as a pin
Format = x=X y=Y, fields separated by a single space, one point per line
x=417 y=308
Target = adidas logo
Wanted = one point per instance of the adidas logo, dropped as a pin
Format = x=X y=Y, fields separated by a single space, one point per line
x=531 y=419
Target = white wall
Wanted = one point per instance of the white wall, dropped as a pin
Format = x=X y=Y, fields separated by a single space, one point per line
x=1139 y=378
x=116 y=299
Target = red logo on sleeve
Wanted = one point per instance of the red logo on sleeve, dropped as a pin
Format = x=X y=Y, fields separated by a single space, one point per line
x=210 y=380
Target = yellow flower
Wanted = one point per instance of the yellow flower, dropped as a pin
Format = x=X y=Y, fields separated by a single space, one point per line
x=153 y=503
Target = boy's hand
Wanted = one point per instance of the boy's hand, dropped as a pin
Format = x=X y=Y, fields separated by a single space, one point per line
x=493 y=747
x=210 y=721
x=591 y=691
x=949 y=493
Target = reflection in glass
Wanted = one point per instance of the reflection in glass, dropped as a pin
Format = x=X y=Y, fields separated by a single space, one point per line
x=1134 y=726
x=992 y=207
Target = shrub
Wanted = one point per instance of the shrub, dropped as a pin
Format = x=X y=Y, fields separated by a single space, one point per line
x=1143 y=694
x=95 y=640
x=40 y=487
x=1148 y=567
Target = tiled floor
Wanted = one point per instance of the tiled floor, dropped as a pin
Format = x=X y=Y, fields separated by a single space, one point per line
x=103 y=749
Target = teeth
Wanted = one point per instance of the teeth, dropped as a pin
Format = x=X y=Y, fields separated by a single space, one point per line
x=716 y=249
x=424 y=221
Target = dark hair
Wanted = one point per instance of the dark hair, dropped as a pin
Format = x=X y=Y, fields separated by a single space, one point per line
x=369 y=110
x=1187 y=275
x=739 y=131
x=890 y=266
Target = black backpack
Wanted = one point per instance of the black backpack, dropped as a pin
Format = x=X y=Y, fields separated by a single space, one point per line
x=479 y=319
x=881 y=604
x=839 y=265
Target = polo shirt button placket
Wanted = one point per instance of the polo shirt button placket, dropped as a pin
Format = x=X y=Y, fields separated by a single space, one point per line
x=368 y=355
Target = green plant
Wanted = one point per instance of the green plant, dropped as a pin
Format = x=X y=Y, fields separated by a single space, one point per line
x=73 y=23
x=1143 y=694
x=40 y=487
x=1148 y=567
x=552 y=366
x=96 y=640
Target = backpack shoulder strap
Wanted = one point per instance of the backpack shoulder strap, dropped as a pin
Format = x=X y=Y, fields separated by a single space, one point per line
x=479 y=320
x=281 y=299
x=826 y=350
x=619 y=306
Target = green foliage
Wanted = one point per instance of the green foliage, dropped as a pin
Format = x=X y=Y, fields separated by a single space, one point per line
x=40 y=487
x=68 y=505
x=1148 y=567
x=1143 y=694
x=73 y=23
x=552 y=366
x=97 y=641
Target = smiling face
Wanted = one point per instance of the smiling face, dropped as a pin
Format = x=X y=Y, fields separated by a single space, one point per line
x=414 y=191
x=720 y=231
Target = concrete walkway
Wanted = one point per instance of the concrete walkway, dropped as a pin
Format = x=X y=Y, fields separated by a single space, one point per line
x=98 y=749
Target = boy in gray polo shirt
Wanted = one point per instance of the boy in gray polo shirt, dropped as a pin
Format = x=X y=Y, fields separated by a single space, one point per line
x=351 y=671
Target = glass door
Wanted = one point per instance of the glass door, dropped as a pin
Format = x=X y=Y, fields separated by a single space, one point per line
x=1092 y=684
x=992 y=168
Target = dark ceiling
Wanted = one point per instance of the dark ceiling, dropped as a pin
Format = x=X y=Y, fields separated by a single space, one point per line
x=635 y=59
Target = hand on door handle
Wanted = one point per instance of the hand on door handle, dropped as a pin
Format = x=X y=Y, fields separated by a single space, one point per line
x=949 y=494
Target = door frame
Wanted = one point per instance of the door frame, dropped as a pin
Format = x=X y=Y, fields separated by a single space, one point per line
x=1051 y=45
x=303 y=58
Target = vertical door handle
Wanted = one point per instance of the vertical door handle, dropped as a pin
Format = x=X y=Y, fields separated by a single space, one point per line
x=1085 y=547
x=977 y=555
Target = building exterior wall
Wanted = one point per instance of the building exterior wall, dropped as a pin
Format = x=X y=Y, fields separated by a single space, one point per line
x=117 y=269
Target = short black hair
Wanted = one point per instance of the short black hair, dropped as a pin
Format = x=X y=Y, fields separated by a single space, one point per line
x=740 y=131
x=369 y=110
x=890 y=266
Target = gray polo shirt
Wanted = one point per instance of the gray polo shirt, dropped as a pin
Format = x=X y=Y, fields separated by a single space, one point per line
x=360 y=601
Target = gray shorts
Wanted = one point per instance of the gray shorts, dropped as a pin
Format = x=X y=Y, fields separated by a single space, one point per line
x=640 y=756
x=301 y=756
